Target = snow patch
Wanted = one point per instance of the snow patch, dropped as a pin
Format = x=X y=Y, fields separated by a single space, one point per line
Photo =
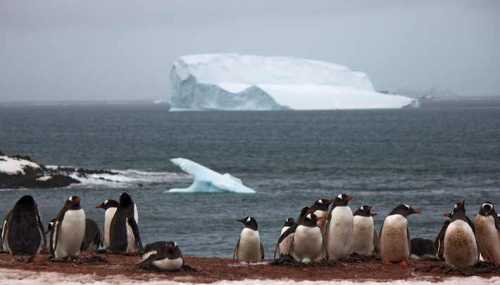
x=207 y=180
x=15 y=166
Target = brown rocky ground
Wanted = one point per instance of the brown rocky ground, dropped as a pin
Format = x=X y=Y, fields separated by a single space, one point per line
x=210 y=269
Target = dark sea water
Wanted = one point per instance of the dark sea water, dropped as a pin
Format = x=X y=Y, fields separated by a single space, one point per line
x=426 y=158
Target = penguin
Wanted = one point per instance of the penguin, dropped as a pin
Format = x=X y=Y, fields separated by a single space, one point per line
x=163 y=256
x=487 y=226
x=460 y=246
x=364 y=234
x=124 y=231
x=284 y=245
x=339 y=228
x=439 y=241
x=69 y=230
x=249 y=247
x=110 y=207
x=92 y=239
x=422 y=248
x=395 y=235
x=22 y=230
x=308 y=240
x=320 y=209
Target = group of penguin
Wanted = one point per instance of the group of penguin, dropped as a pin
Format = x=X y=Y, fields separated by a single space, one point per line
x=70 y=233
x=328 y=230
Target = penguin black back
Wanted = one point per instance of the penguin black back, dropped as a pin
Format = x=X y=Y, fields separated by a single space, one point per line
x=404 y=210
x=118 y=230
x=25 y=233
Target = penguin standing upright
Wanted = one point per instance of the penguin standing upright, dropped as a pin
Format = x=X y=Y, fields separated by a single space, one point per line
x=69 y=230
x=164 y=256
x=249 y=247
x=339 y=228
x=22 y=231
x=395 y=235
x=124 y=230
x=460 y=246
x=487 y=226
x=308 y=240
x=320 y=209
x=284 y=245
x=364 y=235
x=92 y=239
x=110 y=207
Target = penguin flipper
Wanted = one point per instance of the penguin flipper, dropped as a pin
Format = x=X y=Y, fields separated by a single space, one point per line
x=439 y=242
x=42 y=230
x=288 y=232
x=236 y=249
x=376 y=242
x=147 y=263
x=4 y=230
x=409 y=240
x=261 y=251
x=135 y=230
x=471 y=224
x=497 y=222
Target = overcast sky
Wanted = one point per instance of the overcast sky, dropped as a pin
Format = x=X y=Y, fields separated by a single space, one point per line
x=121 y=49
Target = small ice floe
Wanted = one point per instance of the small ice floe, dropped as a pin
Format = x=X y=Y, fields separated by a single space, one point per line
x=208 y=180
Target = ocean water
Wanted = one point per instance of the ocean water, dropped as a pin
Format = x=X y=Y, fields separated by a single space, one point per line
x=427 y=158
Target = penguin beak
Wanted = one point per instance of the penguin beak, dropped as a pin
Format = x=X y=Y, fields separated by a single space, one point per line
x=417 y=210
x=100 y=206
x=241 y=221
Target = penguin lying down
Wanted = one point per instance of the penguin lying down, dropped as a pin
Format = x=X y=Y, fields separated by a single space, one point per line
x=163 y=256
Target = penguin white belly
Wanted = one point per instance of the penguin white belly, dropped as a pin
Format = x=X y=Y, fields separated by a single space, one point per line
x=307 y=244
x=362 y=235
x=460 y=248
x=488 y=238
x=286 y=244
x=249 y=247
x=108 y=217
x=394 y=245
x=131 y=245
x=169 y=264
x=136 y=214
x=340 y=233
x=71 y=233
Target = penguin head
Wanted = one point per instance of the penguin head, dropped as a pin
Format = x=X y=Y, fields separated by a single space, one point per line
x=487 y=209
x=126 y=200
x=341 y=200
x=26 y=203
x=172 y=250
x=310 y=220
x=289 y=222
x=73 y=202
x=249 y=222
x=321 y=204
x=108 y=204
x=458 y=211
x=405 y=210
x=50 y=226
x=365 y=211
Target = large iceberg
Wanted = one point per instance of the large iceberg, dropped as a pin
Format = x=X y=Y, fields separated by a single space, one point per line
x=207 y=180
x=250 y=82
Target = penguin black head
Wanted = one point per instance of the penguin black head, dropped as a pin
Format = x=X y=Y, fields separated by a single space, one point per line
x=73 y=203
x=249 y=222
x=341 y=200
x=458 y=211
x=487 y=209
x=321 y=204
x=26 y=203
x=289 y=222
x=310 y=220
x=50 y=226
x=365 y=211
x=126 y=200
x=172 y=251
x=108 y=204
x=405 y=210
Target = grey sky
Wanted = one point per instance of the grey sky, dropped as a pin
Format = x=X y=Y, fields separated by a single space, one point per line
x=116 y=49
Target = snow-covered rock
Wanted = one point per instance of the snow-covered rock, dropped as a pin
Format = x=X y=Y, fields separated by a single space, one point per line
x=249 y=82
x=207 y=180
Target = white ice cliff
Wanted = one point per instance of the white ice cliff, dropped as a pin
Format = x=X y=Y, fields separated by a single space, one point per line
x=207 y=180
x=249 y=82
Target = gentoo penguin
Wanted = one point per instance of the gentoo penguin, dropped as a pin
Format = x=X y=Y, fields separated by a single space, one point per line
x=68 y=231
x=320 y=209
x=364 y=235
x=284 y=245
x=163 y=256
x=110 y=207
x=395 y=235
x=460 y=247
x=124 y=230
x=22 y=231
x=308 y=240
x=249 y=247
x=93 y=239
x=487 y=226
x=339 y=228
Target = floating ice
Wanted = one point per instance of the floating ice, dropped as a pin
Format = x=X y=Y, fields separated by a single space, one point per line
x=249 y=82
x=207 y=180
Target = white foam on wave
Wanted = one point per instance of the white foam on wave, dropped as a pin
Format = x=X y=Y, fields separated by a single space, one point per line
x=128 y=177
x=20 y=277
